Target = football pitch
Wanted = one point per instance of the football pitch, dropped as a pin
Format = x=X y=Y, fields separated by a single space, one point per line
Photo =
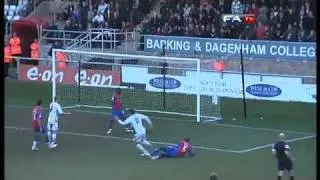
x=233 y=149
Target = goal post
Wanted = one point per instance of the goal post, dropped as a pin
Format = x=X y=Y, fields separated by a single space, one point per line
x=89 y=80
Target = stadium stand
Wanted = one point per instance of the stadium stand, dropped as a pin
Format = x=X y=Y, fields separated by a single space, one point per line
x=15 y=9
x=106 y=14
x=285 y=20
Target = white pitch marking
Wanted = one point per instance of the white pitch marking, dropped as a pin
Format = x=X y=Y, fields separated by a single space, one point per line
x=270 y=145
x=122 y=138
x=172 y=119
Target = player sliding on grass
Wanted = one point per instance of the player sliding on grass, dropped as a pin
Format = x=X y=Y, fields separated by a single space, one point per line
x=37 y=125
x=136 y=121
x=180 y=150
x=52 y=127
x=117 y=110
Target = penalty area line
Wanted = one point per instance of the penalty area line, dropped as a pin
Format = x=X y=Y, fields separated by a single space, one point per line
x=121 y=138
x=270 y=145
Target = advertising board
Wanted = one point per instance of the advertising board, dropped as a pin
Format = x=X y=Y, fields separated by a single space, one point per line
x=271 y=50
x=228 y=85
x=69 y=76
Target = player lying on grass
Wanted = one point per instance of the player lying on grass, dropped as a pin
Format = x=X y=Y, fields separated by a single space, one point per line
x=117 y=110
x=136 y=121
x=180 y=150
x=37 y=125
x=52 y=126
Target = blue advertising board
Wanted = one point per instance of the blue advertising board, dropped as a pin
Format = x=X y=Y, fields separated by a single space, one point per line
x=231 y=47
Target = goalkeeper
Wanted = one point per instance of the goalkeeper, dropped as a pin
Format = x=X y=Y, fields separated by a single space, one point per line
x=180 y=150
x=117 y=110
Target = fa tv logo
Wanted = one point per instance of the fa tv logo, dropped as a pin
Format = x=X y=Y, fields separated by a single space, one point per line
x=248 y=19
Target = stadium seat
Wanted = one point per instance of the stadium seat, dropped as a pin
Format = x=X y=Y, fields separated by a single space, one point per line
x=12 y=7
x=9 y=18
x=18 y=9
x=17 y=17
x=25 y=2
x=6 y=7
x=11 y=12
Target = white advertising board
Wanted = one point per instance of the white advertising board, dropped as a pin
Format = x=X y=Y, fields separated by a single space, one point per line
x=228 y=85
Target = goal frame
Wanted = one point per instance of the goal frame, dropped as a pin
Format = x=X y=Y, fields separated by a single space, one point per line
x=164 y=58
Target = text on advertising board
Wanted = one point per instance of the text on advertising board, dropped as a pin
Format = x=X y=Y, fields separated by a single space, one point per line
x=275 y=88
x=170 y=83
x=231 y=48
x=263 y=90
x=88 y=77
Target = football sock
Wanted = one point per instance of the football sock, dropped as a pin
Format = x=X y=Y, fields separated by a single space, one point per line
x=142 y=149
x=49 y=137
x=147 y=143
x=54 y=136
x=279 y=177
x=110 y=123
x=36 y=137
x=291 y=178
x=46 y=136
x=34 y=144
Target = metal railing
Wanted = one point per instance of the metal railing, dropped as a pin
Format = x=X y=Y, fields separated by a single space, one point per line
x=60 y=35
x=102 y=38
x=76 y=39
x=7 y=30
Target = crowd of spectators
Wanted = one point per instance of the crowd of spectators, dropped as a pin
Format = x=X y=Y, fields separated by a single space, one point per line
x=105 y=14
x=286 y=20
x=15 y=10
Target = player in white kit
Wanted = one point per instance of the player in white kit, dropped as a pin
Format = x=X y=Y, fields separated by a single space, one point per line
x=136 y=121
x=52 y=127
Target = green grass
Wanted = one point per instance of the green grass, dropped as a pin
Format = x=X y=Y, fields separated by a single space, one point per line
x=95 y=156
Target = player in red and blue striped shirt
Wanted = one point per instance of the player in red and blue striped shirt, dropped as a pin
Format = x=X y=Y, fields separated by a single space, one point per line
x=37 y=124
x=117 y=110
x=183 y=148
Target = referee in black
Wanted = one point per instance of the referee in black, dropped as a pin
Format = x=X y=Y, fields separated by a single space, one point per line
x=281 y=151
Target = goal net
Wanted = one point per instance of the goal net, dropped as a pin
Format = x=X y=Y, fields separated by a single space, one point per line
x=150 y=84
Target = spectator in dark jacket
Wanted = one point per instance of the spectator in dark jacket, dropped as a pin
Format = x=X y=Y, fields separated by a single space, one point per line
x=213 y=32
x=289 y=34
x=55 y=45
x=68 y=28
x=75 y=15
x=311 y=37
x=309 y=21
x=302 y=35
x=245 y=32
x=84 y=16
x=291 y=16
x=53 y=33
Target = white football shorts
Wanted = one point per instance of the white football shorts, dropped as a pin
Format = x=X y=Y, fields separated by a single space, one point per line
x=140 y=139
x=52 y=126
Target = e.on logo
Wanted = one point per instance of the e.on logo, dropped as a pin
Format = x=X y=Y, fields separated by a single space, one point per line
x=248 y=19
